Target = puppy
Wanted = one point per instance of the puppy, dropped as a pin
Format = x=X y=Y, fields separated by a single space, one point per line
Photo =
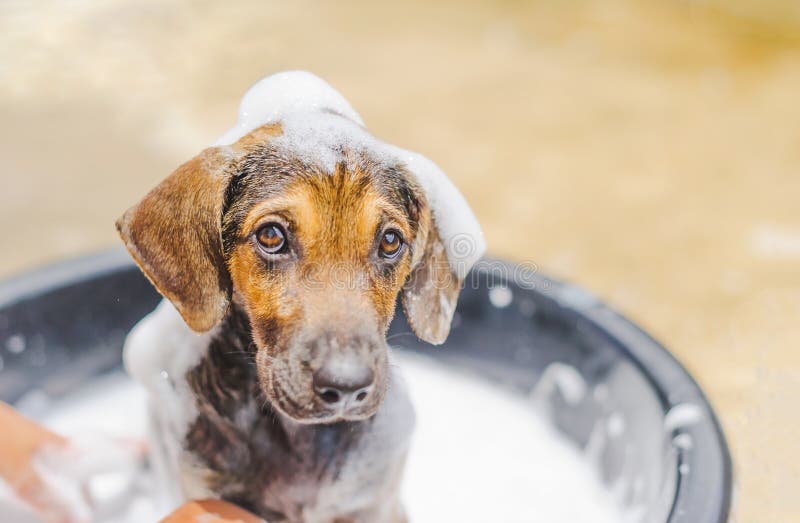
x=283 y=249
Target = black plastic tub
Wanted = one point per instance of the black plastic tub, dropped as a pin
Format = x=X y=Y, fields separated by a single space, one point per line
x=606 y=384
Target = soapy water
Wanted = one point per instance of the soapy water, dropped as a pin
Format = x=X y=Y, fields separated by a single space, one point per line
x=483 y=454
x=479 y=453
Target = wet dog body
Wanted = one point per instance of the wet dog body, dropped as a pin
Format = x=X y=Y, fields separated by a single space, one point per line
x=270 y=442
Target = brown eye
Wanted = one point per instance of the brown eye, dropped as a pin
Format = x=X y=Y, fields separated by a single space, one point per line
x=271 y=238
x=391 y=243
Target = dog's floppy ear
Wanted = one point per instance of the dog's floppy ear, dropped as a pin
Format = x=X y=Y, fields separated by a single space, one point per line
x=173 y=234
x=449 y=242
x=430 y=294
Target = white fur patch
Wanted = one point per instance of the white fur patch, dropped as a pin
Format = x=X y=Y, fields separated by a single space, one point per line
x=158 y=353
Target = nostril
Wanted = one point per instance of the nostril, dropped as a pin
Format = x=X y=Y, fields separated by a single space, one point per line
x=329 y=395
x=343 y=381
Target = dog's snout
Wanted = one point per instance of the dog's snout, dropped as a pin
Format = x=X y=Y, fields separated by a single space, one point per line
x=343 y=381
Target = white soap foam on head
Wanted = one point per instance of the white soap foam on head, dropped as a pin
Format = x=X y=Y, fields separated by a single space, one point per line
x=280 y=94
x=319 y=125
x=479 y=454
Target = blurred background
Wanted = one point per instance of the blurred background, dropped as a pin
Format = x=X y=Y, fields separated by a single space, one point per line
x=646 y=149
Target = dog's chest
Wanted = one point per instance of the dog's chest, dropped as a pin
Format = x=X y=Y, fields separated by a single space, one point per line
x=285 y=471
x=303 y=475
x=214 y=435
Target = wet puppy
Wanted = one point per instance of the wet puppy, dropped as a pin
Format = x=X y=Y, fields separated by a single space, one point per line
x=281 y=397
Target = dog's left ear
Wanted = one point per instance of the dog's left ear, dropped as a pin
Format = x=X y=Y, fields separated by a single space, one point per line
x=430 y=294
x=173 y=235
x=448 y=243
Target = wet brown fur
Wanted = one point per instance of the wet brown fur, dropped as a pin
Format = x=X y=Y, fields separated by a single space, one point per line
x=253 y=457
x=278 y=319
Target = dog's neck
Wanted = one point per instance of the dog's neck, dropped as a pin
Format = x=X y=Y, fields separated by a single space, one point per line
x=225 y=378
x=238 y=434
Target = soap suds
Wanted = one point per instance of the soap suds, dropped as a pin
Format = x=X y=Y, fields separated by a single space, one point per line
x=615 y=425
x=479 y=454
x=500 y=296
x=12 y=508
x=15 y=344
x=682 y=415
x=561 y=377
x=284 y=93
x=683 y=441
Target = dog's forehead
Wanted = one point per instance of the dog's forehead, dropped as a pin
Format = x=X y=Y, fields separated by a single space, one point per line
x=269 y=172
x=359 y=182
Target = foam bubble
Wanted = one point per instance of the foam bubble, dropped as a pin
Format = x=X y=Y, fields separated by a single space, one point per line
x=15 y=344
x=501 y=296
x=565 y=378
x=682 y=415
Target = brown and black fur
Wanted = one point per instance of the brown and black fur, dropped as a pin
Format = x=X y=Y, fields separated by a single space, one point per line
x=262 y=437
x=247 y=448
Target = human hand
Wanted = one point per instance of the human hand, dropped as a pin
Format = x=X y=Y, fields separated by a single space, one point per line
x=47 y=475
x=211 y=511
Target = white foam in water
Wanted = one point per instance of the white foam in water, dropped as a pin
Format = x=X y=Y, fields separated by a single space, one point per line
x=105 y=420
x=682 y=415
x=479 y=454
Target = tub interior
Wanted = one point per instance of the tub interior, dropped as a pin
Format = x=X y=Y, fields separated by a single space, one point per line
x=536 y=341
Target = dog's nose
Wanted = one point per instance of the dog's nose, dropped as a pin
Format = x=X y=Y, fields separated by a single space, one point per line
x=343 y=381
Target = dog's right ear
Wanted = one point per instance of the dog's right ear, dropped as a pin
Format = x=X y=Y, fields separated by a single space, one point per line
x=173 y=235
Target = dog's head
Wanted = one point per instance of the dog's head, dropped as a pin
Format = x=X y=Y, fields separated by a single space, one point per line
x=315 y=254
